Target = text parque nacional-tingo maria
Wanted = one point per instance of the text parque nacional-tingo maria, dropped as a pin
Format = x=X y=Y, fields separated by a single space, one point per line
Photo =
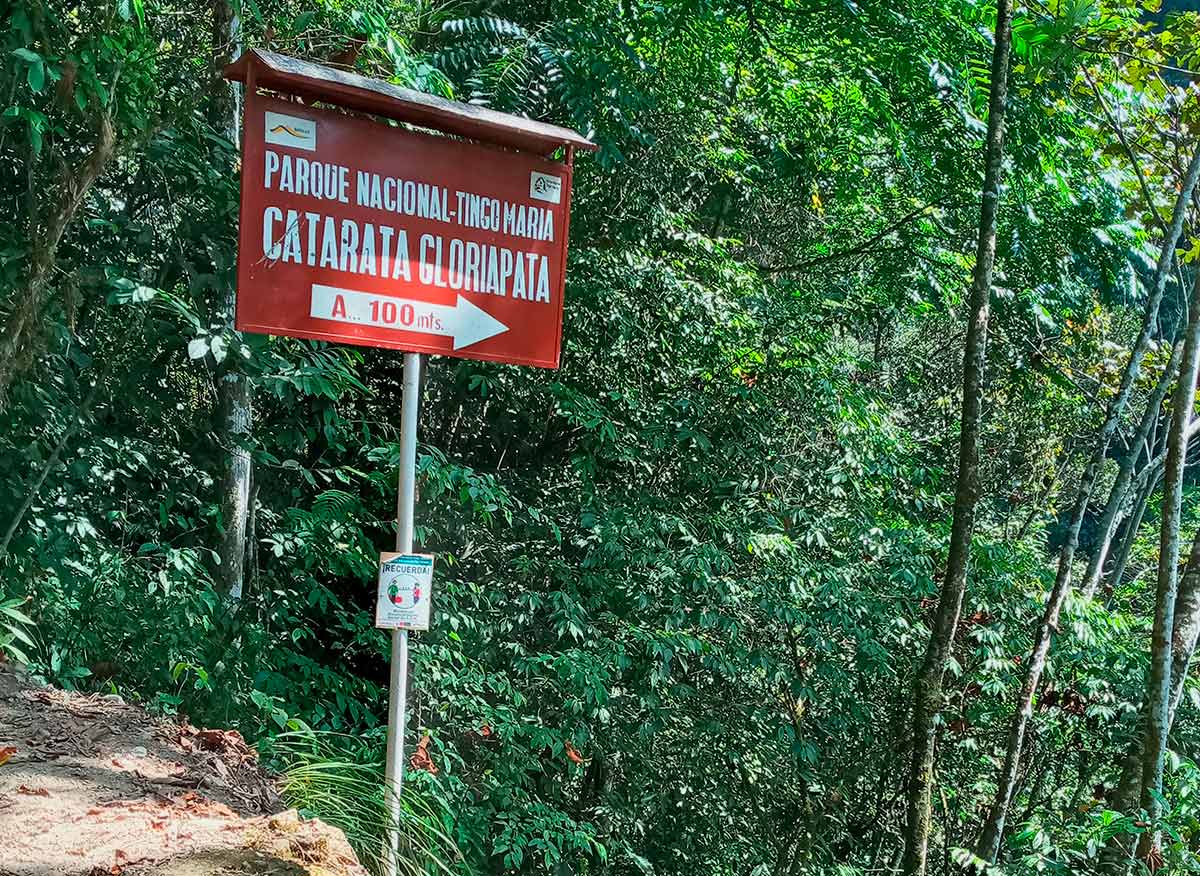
x=319 y=239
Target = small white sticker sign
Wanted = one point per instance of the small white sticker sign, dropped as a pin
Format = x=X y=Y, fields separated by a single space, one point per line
x=294 y=131
x=405 y=588
x=545 y=187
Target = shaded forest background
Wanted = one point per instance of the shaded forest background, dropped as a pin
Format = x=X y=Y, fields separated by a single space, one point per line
x=687 y=584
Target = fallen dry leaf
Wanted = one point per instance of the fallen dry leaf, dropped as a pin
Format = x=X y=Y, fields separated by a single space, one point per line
x=120 y=859
x=421 y=760
x=6 y=752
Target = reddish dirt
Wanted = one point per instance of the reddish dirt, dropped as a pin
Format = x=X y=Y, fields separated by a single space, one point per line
x=92 y=786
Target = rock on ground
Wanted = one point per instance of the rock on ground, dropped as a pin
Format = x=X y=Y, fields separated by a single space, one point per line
x=92 y=786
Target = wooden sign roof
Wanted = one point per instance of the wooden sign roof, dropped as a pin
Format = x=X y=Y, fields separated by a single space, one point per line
x=318 y=82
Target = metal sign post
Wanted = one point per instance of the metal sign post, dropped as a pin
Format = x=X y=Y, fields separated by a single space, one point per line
x=398 y=685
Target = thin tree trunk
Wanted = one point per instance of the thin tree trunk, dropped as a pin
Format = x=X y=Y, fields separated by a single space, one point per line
x=55 y=455
x=1143 y=486
x=233 y=387
x=1158 y=692
x=990 y=837
x=1187 y=628
x=235 y=483
x=1183 y=646
x=1124 y=480
x=1036 y=507
x=1144 y=483
x=252 y=537
x=927 y=688
x=1132 y=527
x=45 y=237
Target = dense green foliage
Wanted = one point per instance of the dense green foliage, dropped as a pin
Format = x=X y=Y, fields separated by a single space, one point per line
x=684 y=582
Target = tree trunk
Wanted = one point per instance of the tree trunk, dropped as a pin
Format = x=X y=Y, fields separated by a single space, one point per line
x=993 y=829
x=1158 y=692
x=46 y=235
x=251 y=570
x=235 y=481
x=1187 y=628
x=1132 y=527
x=1124 y=480
x=233 y=388
x=1183 y=646
x=927 y=688
x=1143 y=486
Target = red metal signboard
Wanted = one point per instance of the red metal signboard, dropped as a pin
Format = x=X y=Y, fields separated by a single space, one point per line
x=357 y=232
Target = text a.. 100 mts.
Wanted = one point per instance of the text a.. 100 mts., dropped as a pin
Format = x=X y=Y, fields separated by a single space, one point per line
x=344 y=305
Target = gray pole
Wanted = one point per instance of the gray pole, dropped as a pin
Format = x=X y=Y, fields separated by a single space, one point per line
x=398 y=688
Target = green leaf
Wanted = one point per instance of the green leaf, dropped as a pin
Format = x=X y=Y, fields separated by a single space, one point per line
x=252 y=5
x=36 y=76
x=16 y=614
x=19 y=633
x=16 y=652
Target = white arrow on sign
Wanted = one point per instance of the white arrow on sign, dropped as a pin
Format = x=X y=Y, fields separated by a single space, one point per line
x=463 y=321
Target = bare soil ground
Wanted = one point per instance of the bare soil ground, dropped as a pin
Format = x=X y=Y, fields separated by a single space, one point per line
x=92 y=786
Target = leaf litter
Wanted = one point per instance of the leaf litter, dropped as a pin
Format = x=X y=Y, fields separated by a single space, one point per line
x=93 y=786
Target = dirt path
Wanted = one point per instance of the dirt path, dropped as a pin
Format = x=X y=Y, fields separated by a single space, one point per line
x=94 y=786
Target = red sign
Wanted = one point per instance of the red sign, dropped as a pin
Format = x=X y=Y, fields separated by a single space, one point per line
x=357 y=232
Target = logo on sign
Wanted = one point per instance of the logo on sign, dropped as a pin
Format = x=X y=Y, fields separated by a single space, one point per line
x=284 y=130
x=411 y=590
x=545 y=187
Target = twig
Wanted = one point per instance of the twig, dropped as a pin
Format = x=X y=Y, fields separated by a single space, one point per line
x=860 y=248
x=31 y=495
x=1115 y=124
